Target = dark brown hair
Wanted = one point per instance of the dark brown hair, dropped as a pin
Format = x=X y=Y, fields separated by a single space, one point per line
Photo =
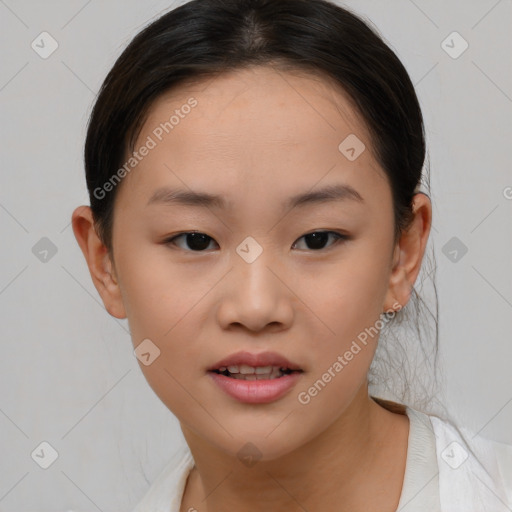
x=206 y=37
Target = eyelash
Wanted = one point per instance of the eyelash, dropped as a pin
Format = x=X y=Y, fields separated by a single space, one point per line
x=339 y=237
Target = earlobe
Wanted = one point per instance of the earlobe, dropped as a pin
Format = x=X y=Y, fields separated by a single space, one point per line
x=98 y=261
x=408 y=254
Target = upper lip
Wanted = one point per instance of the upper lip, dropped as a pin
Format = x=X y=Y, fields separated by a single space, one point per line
x=255 y=360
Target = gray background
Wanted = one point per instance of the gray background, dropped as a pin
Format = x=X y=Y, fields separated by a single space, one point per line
x=68 y=373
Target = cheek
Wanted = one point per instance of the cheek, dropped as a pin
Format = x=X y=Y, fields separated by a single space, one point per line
x=351 y=306
x=158 y=295
x=349 y=296
x=163 y=305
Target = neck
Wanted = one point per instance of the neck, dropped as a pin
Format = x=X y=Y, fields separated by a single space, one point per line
x=333 y=471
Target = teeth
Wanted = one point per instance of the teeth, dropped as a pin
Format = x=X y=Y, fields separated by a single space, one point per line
x=254 y=376
x=246 y=372
x=276 y=372
x=263 y=369
x=245 y=369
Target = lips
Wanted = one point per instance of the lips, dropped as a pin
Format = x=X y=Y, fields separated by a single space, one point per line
x=255 y=378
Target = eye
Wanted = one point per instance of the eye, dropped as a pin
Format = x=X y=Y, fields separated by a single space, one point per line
x=197 y=242
x=317 y=239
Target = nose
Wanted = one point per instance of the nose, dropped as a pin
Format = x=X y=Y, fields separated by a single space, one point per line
x=255 y=296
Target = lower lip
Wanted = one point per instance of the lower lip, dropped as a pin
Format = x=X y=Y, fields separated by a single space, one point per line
x=256 y=391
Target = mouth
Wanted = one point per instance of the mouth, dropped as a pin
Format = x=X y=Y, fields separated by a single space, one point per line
x=246 y=372
x=255 y=378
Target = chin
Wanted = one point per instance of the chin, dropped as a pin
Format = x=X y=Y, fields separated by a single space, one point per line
x=263 y=444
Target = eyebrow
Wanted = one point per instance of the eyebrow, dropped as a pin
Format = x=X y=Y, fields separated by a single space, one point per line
x=170 y=196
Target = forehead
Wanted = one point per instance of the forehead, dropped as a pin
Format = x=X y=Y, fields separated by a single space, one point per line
x=263 y=97
x=249 y=126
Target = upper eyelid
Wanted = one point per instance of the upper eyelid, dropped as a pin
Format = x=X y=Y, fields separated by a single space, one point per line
x=305 y=234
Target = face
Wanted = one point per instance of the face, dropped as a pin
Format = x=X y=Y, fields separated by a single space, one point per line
x=300 y=280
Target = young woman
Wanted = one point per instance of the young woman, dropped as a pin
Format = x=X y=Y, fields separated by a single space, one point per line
x=254 y=170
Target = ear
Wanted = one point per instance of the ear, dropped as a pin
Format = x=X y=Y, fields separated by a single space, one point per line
x=98 y=260
x=408 y=254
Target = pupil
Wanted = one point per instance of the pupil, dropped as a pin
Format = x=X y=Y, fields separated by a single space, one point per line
x=197 y=241
x=319 y=239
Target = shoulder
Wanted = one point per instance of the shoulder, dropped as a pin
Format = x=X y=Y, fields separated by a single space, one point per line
x=473 y=470
x=165 y=493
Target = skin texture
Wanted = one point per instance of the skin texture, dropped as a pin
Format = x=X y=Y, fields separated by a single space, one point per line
x=258 y=136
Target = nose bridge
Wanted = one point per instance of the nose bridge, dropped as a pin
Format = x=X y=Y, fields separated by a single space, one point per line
x=252 y=263
x=255 y=295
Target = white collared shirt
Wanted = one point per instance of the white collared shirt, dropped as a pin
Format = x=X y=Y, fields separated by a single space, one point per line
x=447 y=470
